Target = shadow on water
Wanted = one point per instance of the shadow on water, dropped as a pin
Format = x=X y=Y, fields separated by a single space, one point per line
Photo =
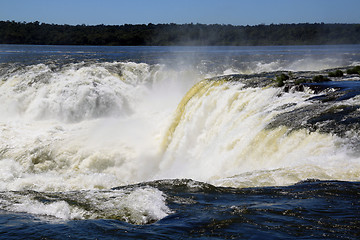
x=342 y=90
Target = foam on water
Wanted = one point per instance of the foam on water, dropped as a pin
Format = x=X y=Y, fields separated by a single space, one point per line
x=97 y=126
x=220 y=136
x=70 y=132
x=136 y=205
x=85 y=125
x=101 y=125
x=73 y=94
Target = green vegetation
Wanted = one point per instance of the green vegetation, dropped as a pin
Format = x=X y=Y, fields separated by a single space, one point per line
x=280 y=79
x=320 y=78
x=301 y=81
x=355 y=70
x=178 y=34
x=337 y=73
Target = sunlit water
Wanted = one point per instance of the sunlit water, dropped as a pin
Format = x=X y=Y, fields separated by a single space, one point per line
x=142 y=142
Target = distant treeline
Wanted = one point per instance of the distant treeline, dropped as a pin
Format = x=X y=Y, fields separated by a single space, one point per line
x=178 y=34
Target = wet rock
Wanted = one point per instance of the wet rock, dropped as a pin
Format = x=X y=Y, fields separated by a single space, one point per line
x=328 y=110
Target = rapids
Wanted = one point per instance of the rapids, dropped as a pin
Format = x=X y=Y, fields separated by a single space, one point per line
x=101 y=125
x=103 y=138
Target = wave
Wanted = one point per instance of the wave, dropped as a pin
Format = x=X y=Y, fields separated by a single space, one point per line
x=137 y=205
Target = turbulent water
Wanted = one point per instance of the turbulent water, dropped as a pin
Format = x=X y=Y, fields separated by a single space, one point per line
x=179 y=142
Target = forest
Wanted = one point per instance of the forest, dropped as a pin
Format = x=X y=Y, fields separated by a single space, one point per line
x=36 y=33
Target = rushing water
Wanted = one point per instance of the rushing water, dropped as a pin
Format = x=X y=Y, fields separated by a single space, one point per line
x=178 y=142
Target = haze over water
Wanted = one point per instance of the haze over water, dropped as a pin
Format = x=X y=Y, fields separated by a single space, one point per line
x=155 y=141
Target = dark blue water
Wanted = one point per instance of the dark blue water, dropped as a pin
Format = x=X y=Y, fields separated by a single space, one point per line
x=309 y=209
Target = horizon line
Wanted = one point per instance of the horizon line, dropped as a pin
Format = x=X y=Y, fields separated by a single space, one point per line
x=172 y=23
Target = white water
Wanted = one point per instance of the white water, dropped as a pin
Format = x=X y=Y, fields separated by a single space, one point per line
x=136 y=205
x=221 y=138
x=89 y=126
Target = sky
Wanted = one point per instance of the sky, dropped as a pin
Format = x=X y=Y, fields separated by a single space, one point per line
x=235 y=12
